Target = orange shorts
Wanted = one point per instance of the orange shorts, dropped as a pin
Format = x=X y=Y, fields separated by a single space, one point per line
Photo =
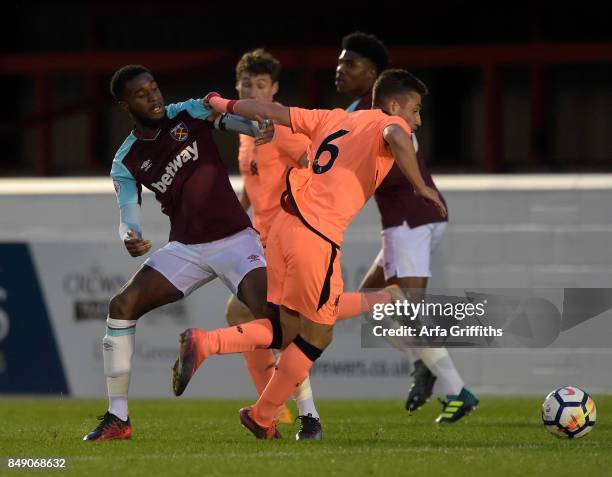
x=299 y=273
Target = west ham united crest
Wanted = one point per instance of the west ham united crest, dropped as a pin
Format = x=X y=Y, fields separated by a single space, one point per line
x=179 y=132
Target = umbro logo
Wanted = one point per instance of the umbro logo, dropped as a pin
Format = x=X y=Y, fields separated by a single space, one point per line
x=253 y=258
x=108 y=347
x=146 y=165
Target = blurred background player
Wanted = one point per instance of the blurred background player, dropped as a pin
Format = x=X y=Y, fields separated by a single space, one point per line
x=411 y=229
x=263 y=169
x=171 y=152
x=354 y=152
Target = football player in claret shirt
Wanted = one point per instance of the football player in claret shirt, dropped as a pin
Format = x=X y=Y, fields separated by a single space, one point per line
x=349 y=156
x=411 y=230
x=171 y=152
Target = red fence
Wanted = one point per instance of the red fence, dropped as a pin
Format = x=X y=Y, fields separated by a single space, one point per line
x=40 y=68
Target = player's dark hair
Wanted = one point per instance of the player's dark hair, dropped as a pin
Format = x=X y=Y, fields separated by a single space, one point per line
x=369 y=47
x=394 y=83
x=122 y=76
x=258 y=62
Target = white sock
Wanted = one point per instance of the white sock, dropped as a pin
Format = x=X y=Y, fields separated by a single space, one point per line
x=118 y=405
x=117 y=350
x=303 y=396
x=440 y=363
x=304 y=400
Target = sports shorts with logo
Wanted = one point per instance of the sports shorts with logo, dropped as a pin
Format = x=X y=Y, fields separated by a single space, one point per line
x=189 y=266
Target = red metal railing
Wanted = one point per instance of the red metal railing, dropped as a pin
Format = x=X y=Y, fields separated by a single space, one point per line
x=40 y=68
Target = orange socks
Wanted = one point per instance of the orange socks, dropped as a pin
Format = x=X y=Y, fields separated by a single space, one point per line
x=356 y=303
x=350 y=304
x=292 y=369
x=260 y=365
x=237 y=339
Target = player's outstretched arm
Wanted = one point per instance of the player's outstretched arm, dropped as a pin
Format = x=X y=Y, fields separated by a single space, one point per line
x=403 y=152
x=262 y=131
x=249 y=108
x=231 y=122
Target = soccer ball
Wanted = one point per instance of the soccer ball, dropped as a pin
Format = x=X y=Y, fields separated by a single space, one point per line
x=569 y=412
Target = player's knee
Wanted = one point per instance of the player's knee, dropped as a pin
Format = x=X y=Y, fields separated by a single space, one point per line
x=229 y=312
x=320 y=337
x=237 y=318
x=236 y=313
x=322 y=341
x=231 y=319
x=290 y=332
x=122 y=307
x=310 y=350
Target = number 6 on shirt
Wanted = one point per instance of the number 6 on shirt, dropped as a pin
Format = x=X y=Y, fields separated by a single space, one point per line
x=331 y=148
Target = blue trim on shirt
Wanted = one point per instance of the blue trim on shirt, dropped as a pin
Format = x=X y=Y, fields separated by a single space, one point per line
x=194 y=107
x=353 y=106
x=126 y=186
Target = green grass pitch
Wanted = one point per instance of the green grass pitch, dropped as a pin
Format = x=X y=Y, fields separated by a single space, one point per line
x=181 y=437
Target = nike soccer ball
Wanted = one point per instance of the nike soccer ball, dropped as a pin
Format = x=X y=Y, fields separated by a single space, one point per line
x=569 y=412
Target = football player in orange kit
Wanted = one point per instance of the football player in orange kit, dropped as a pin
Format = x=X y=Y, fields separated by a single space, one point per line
x=263 y=170
x=349 y=156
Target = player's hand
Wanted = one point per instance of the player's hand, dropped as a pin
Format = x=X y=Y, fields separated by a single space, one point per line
x=207 y=98
x=135 y=244
x=266 y=127
x=432 y=195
